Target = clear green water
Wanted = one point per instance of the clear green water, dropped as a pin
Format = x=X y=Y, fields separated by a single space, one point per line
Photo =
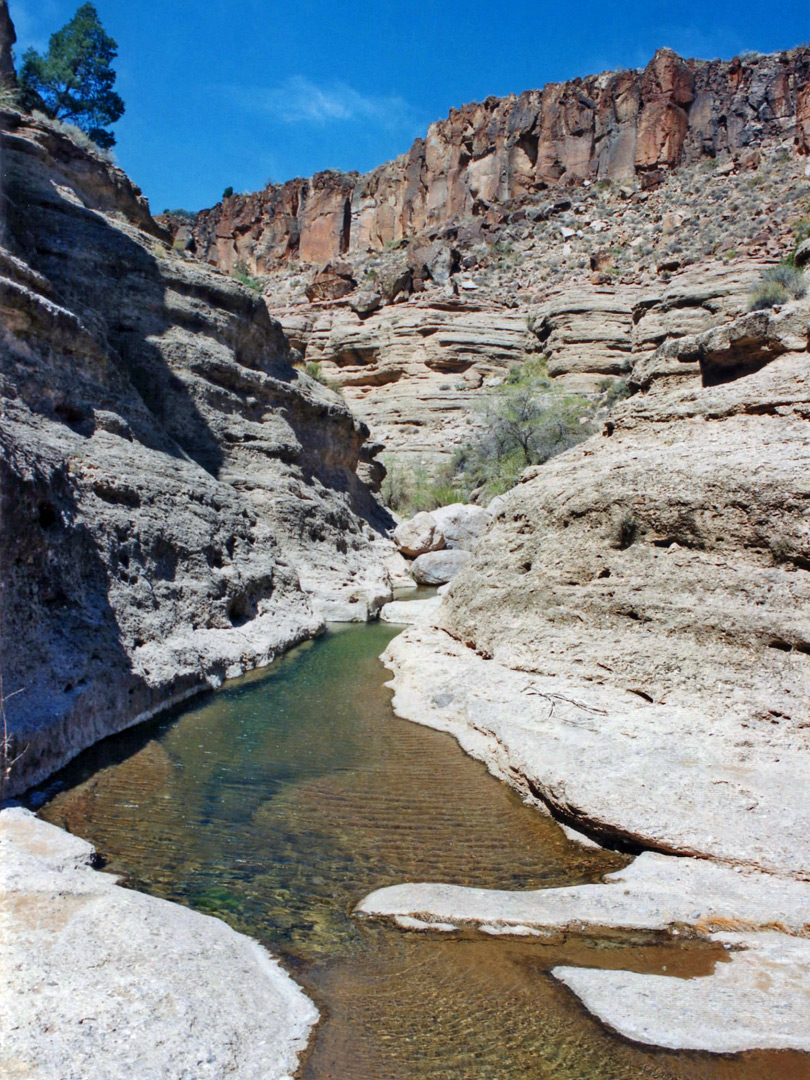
x=280 y=801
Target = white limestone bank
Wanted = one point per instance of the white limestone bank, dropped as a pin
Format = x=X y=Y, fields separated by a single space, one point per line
x=760 y=999
x=126 y=984
x=630 y=647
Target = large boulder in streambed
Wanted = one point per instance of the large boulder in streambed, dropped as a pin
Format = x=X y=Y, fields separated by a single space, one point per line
x=418 y=535
x=461 y=524
x=438 y=567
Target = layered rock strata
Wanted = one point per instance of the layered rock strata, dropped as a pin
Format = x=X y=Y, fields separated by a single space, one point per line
x=415 y=371
x=179 y=504
x=127 y=983
x=412 y=370
x=613 y=126
x=630 y=647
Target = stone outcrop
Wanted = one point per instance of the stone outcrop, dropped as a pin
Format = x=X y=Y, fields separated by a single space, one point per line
x=123 y=982
x=630 y=647
x=179 y=504
x=410 y=369
x=8 y=36
x=613 y=126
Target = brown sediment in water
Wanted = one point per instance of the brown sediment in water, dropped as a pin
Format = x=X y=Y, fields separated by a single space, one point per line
x=279 y=802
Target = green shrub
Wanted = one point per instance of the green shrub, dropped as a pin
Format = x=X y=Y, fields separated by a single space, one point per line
x=525 y=421
x=228 y=192
x=411 y=488
x=777 y=285
x=240 y=272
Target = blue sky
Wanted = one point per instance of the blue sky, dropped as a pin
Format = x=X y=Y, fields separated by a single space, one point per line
x=237 y=92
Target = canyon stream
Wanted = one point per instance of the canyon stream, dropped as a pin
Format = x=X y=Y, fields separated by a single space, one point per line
x=278 y=802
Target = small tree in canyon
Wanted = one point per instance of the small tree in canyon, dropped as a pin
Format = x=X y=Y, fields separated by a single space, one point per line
x=526 y=420
x=74 y=80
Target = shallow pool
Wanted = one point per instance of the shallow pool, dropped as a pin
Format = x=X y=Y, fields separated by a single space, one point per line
x=280 y=801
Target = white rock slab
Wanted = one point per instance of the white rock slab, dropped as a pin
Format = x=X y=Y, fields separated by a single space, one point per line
x=760 y=1000
x=100 y=981
x=411 y=612
x=654 y=893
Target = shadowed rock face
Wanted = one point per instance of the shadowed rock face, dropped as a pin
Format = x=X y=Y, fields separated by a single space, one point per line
x=178 y=503
x=611 y=126
x=7 y=38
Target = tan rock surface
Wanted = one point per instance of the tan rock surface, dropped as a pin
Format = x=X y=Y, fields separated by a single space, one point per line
x=410 y=369
x=125 y=984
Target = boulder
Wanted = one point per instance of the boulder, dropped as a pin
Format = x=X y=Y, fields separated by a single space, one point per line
x=393 y=280
x=439 y=567
x=332 y=282
x=366 y=302
x=461 y=524
x=419 y=535
x=435 y=261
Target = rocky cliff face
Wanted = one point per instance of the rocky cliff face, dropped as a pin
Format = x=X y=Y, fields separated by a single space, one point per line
x=613 y=126
x=178 y=503
x=632 y=635
x=8 y=76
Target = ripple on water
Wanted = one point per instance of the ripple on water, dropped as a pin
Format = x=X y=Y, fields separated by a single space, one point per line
x=280 y=801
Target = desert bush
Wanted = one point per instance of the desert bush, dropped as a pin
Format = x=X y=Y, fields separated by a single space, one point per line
x=766 y=295
x=777 y=285
x=75 y=134
x=613 y=391
x=411 y=488
x=525 y=421
x=241 y=273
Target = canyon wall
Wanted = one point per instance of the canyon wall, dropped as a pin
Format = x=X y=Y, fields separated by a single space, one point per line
x=179 y=504
x=613 y=126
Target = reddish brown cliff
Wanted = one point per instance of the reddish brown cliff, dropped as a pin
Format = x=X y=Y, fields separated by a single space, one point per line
x=612 y=126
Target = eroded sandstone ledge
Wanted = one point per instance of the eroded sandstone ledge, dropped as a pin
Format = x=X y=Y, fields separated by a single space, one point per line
x=179 y=504
x=630 y=648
